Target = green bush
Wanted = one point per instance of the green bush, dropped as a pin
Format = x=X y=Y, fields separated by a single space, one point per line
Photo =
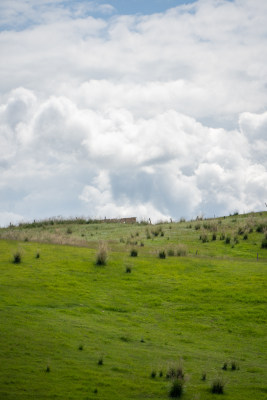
x=176 y=389
x=162 y=254
x=264 y=243
x=217 y=386
x=134 y=253
x=17 y=257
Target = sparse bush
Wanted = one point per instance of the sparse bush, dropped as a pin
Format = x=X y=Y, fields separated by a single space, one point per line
x=162 y=254
x=181 y=250
x=134 y=253
x=204 y=376
x=142 y=244
x=264 y=243
x=170 y=252
x=122 y=240
x=234 y=365
x=102 y=254
x=153 y=374
x=162 y=233
x=236 y=241
x=160 y=373
x=204 y=238
x=214 y=236
x=128 y=269
x=37 y=255
x=245 y=237
x=222 y=236
x=47 y=368
x=69 y=231
x=100 y=361
x=175 y=372
x=17 y=257
x=217 y=386
x=26 y=239
x=176 y=389
x=197 y=227
x=80 y=347
x=240 y=230
x=228 y=239
x=225 y=365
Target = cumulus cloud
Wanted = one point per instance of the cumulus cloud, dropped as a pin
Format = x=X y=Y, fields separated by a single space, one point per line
x=151 y=116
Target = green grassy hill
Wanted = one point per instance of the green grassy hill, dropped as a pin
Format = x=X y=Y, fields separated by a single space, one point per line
x=71 y=329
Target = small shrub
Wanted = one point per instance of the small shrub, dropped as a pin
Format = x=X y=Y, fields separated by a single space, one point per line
x=95 y=391
x=80 y=347
x=204 y=376
x=224 y=367
x=214 y=236
x=153 y=374
x=264 y=243
x=240 y=231
x=142 y=244
x=175 y=372
x=176 y=389
x=234 y=365
x=197 y=227
x=217 y=386
x=228 y=239
x=26 y=239
x=47 y=368
x=170 y=252
x=100 y=361
x=162 y=233
x=128 y=269
x=134 y=253
x=102 y=254
x=17 y=257
x=245 y=237
x=162 y=254
x=222 y=236
x=204 y=238
x=160 y=373
x=37 y=255
x=181 y=250
x=236 y=241
x=69 y=231
x=122 y=240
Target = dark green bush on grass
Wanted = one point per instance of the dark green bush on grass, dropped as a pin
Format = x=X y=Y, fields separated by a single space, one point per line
x=245 y=237
x=162 y=254
x=204 y=238
x=264 y=243
x=17 y=257
x=153 y=374
x=224 y=367
x=100 y=361
x=214 y=236
x=177 y=388
x=234 y=365
x=37 y=255
x=217 y=386
x=228 y=239
x=128 y=269
x=134 y=253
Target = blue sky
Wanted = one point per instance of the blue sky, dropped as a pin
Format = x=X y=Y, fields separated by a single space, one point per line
x=161 y=113
x=144 y=6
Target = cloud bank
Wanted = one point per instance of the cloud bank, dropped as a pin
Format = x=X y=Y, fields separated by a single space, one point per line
x=151 y=116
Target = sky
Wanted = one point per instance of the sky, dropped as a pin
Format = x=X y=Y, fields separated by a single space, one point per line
x=153 y=109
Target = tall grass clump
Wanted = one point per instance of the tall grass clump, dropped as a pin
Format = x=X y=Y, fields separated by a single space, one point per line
x=217 y=386
x=181 y=250
x=176 y=389
x=102 y=254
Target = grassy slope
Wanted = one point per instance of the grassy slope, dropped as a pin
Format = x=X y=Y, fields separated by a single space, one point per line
x=207 y=309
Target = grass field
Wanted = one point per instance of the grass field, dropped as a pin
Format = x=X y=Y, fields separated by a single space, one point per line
x=73 y=330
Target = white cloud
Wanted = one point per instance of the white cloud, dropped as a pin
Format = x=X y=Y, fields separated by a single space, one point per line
x=150 y=116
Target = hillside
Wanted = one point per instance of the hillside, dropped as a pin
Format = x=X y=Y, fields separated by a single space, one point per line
x=71 y=329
